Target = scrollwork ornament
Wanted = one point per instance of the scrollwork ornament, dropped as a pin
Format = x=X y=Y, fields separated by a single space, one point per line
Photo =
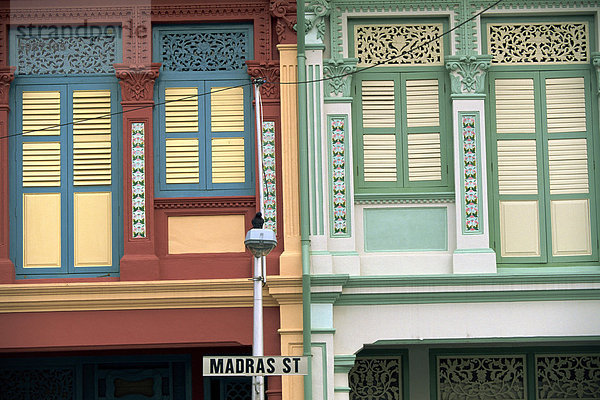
x=7 y=74
x=596 y=64
x=321 y=9
x=467 y=73
x=338 y=74
x=270 y=72
x=285 y=12
x=137 y=82
x=375 y=379
x=568 y=377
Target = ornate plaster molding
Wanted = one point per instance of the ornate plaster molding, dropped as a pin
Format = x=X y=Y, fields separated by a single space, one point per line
x=268 y=70
x=7 y=74
x=197 y=202
x=285 y=13
x=338 y=74
x=137 y=82
x=467 y=73
x=209 y=293
x=596 y=64
x=286 y=290
x=320 y=10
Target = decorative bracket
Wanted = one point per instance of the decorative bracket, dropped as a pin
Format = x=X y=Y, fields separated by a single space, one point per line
x=596 y=64
x=467 y=73
x=137 y=82
x=268 y=70
x=338 y=74
x=7 y=74
x=285 y=12
x=320 y=9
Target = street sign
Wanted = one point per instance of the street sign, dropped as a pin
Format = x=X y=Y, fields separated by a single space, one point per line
x=255 y=365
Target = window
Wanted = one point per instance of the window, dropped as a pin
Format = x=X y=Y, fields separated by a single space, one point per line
x=205 y=143
x=65 y=184
x=401 y=136
x=542 y=153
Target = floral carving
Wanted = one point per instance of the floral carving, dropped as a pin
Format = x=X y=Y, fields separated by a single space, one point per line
x=138 y=181
x=398 y=44
x=375 y=379
x=338 y=75
x=285 y=12
x=66 y=54
x=7 y=74
x=560 y=42
x=270 y=72
x=501 y=377
x=338 y=184
x=320 y=10
x=204 y=51
x=467 y=73
x=568 y=376
x=137 y=82
x=269 y=182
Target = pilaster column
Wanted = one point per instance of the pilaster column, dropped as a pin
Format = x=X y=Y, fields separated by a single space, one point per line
x=473 y=253
x=342 y=364
x=291 y=258
x=7 y=268
x=139 y=261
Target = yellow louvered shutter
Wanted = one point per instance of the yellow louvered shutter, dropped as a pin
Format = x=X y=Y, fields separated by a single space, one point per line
x=565 y=105
x=227 y=109
x=424 y=148
x=515 y=106
x=378 y=104
x=228 y=164
x=41 y=113
x=380 y=158
x=181 y=110
x=517 y=167
x=91 y=137
x=182 y=160
x=568 y=166
x=41 y=164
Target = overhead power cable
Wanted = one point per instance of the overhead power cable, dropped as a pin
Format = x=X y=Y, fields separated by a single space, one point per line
x=414 y=47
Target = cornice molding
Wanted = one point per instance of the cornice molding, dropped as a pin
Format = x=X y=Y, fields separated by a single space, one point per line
x=286 y=290
x=85 y=296
x=198 y=202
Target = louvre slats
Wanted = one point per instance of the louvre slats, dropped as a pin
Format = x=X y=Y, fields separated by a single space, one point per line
x=228 y=164
x=227 y=109
x=422 y=103
x=182 y=161
x=41 y=113
x=378 y=104
x=41 y=164
x=379 y=158
x=517 y=167
x=568 y=164
x=424 y=157
x=181 y=110
x=91 y=137
x=515 y=106
x=565 y=105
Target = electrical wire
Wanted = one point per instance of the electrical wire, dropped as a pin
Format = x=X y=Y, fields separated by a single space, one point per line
x=252 y=82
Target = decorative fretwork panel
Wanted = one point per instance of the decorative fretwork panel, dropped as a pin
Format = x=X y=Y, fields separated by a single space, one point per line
x=204 y=51
x=481 y=377
x=540 y=43
x=376 y=379
x=237 y=390
x=43 y=383
x=568 y=377
x=398 y=44
x=66 y=55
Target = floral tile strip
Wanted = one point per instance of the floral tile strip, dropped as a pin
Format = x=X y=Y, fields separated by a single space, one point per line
x=338 y=164
x=269 y=182
x=471 y=222
x=138 y=184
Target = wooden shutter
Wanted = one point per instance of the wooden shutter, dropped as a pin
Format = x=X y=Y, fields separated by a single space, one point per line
x=41 y=113
x=228 y=164
x=182 y=160
x=565 y=105
x=515 y=106
x=380 y=158
x=378 y=104
x=41 y=164
x=91 y=137
x=422 y=103
x=517 y=167
x=227 y=109
x=568 y=164
x=181 y=109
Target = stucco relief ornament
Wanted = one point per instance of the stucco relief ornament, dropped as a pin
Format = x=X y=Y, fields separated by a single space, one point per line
x=268 y=70
x=338 y=74
x=596 y=64
x=7 y=75
x=137 y=82
x=285 y=12
x=467 y=73
x=320 y=9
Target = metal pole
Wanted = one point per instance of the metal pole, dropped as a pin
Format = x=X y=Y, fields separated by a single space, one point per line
x=258 y=382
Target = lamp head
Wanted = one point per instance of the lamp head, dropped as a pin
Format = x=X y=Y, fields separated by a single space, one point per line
x=260 y=242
